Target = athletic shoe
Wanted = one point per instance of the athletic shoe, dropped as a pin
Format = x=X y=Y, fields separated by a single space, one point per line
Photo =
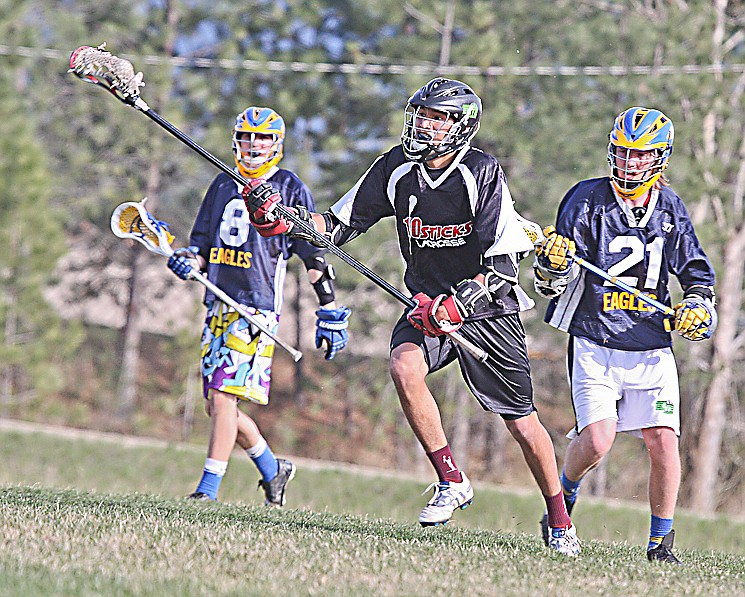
x=664 y=551
x=448 y=496
x=274 y=490
x=564 y=541
x=544 y=520
x=200 y=497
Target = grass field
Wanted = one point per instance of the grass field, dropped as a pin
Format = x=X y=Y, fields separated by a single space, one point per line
x=104 y=516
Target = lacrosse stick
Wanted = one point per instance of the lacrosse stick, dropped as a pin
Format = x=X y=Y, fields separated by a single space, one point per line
x=132 y=220
x=116 y=75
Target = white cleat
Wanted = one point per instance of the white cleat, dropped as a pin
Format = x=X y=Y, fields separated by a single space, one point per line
x=448 y=496
x=565 y=541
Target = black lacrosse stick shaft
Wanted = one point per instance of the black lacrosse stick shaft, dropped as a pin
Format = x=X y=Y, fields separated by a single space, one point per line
x=137 y=103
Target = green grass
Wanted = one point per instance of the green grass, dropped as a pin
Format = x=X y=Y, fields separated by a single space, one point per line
x=90 y=517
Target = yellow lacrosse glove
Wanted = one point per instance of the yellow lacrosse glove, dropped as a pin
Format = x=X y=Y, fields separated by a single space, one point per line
x=556 y=254
x=695 y=318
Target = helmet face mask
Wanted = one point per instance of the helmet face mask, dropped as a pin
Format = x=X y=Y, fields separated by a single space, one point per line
x=258 y=140
x=440 y=118
x=639 y=150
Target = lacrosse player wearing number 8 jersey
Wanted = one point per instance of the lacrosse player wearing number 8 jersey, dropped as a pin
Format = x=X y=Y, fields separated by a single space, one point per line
x=621 y=367
x=462 y=242
x=237 y=357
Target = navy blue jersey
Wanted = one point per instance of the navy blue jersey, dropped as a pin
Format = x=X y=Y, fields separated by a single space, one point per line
x=248 y=267
x=641 y=253
x=447 y=220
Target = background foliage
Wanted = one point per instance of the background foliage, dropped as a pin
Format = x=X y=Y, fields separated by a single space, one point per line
x=340 y=73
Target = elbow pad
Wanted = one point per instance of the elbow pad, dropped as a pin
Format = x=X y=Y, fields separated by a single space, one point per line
x=500 y=275
x=324 y=286
x=336 y=231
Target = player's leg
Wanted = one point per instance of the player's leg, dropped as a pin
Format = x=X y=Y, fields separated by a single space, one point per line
x=223 y=412
x=504 y=386
x=408 y=369
x=596 y=390
x=276 y=473
x=664 y=483
x=538 y=451
x=236 y=365
x=585 y=452
x=652 y=405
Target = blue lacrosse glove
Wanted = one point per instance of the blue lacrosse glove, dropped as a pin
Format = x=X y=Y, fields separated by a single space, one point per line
x=179 y=264
x=331 y=329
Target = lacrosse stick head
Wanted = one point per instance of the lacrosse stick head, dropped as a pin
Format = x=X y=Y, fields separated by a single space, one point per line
x=99 y=67
x=132 y=220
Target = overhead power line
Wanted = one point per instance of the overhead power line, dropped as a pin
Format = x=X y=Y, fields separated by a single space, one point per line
x=394 y=69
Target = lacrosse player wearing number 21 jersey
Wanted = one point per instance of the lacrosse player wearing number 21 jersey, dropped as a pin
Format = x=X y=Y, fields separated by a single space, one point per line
x=461 y=240
x=621 y=367
x=236 y=357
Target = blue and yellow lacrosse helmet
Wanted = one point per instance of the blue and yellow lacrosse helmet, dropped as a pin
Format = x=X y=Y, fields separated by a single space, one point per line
x=645 y=130
x=254 y=161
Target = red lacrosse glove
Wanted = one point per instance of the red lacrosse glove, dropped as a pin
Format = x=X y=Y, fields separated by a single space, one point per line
x=424 y=315
x=261 y=200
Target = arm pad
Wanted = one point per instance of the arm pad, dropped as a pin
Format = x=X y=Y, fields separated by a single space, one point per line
x=324 y=286
x=338 y=232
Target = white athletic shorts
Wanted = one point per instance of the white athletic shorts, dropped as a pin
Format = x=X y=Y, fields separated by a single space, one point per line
x=638 y=389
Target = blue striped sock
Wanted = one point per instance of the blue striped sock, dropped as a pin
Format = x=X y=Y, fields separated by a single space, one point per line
x=569 y=488
x=264 y=459
x=209 y=484
x=214 y=471
x=658 y=528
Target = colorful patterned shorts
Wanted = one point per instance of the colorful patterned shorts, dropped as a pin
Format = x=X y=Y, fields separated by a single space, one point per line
x=236 y=356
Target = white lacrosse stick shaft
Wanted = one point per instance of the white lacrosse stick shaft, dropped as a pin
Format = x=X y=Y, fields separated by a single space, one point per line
x=131 y=220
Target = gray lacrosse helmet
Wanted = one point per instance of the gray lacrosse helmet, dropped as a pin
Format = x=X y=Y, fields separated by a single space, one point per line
x=454 y=98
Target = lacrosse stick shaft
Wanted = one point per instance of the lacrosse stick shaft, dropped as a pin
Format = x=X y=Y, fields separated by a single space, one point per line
x=623 y=286
x=116 y=75
x=225 y=298
x=476 y=351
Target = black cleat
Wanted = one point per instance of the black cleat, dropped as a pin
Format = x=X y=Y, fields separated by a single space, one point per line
x=274 y=490
x=544 y=520
x=544 y=527
x=200 y=497
x=664 y=551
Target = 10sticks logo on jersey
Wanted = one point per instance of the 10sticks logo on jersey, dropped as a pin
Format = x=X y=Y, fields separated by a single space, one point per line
x=437 y=235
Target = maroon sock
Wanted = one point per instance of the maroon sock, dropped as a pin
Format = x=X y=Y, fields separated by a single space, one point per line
x=444 y=464
x=557 y=511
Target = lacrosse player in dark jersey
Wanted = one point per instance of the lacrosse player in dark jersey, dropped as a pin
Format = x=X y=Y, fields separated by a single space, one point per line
x=461 y=240
x=622 y=370
x=237 y=357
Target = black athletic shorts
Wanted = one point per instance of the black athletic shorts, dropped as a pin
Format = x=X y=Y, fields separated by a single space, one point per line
x=501 y=385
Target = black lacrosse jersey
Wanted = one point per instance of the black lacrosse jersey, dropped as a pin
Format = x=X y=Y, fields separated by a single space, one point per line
x=249 y=268
x=446 y=220
x=640 y=253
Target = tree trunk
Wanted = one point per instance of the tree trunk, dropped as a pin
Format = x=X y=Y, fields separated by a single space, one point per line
x=126 y=396
x=706 y=457
x=459 y=440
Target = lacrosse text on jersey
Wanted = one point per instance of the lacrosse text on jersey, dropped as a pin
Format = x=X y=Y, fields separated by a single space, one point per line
x=436 y=236
x=620 y=299
x=233 y=257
